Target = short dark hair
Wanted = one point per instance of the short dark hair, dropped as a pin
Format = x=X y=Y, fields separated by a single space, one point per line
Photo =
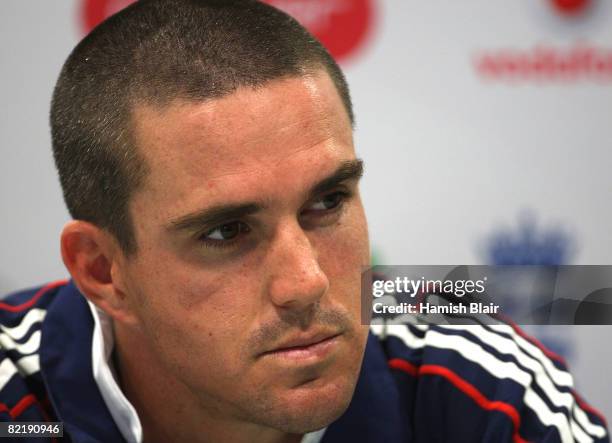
x=152 y=52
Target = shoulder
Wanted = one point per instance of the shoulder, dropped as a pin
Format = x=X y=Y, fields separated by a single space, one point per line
x=21 y=301
x=487 y=380
x=22 y=391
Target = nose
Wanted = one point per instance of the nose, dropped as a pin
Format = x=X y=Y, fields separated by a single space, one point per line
x=295 y=278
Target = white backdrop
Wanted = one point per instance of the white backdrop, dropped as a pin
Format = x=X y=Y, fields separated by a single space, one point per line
x=455 y=159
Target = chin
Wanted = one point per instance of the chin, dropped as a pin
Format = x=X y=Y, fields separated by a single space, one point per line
x=314 y=405
x=318 y=399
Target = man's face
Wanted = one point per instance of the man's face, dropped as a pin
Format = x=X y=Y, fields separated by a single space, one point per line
x=251 y=239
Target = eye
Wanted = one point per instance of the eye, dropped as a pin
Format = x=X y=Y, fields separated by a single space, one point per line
x=326 y=205
x=328 y=202
x=226 y=232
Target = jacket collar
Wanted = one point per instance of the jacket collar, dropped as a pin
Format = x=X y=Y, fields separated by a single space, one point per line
x=66 y=366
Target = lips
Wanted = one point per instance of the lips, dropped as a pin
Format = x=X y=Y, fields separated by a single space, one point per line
x=305 y=345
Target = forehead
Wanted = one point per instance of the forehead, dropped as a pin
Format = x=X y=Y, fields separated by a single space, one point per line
x=287 y=123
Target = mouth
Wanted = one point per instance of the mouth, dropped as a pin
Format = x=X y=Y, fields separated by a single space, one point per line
x=305 y=348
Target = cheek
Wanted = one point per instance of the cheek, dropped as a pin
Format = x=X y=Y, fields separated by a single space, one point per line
x=192 y=313
x=345 y=248
x=203 y=339
x=344 y=252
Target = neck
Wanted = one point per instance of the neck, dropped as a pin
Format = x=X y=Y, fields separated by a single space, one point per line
x=168 y=410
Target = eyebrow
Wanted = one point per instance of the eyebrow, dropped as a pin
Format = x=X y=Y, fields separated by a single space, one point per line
x=347 y=171
x=217 y=215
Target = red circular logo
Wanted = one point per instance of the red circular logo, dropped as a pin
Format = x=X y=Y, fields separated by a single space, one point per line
x=571 y=7
x=96 y=11
x=341 y=25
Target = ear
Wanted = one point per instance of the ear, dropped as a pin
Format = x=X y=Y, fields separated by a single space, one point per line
x=93 y=259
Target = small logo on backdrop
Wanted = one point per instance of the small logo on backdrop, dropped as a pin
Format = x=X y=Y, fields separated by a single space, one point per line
x=563 y=53
x=530 y=244
x=343 y=26
x=543 y=64
x=571 y=8
x=569 y=16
